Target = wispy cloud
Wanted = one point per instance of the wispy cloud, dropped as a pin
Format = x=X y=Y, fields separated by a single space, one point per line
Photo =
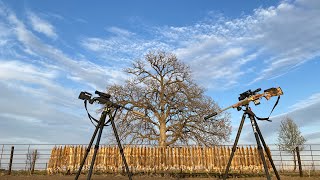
x=86 y=71
x=36 y=92
x=123 y=47
x=28 y=108
x=36 y=81
x=272 y=40
x=22 y=71
x=42 y=26
x=280 y=38
x=119 y=31
x=289 y=33
x=310 y=101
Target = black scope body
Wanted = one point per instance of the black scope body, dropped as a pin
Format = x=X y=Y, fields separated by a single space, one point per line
x=101 y=94
x=248 y=94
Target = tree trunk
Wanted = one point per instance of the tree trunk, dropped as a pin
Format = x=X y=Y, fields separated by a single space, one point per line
x=163 y=136
x=294 y=161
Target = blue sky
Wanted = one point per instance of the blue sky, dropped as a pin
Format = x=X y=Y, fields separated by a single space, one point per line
x=50 y=51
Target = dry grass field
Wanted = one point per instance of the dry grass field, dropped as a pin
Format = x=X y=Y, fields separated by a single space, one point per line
x=41 y=175
x=120 y=177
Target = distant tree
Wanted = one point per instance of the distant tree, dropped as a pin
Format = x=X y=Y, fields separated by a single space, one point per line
x=161 y=87
x=32 y=157
x=290 y=137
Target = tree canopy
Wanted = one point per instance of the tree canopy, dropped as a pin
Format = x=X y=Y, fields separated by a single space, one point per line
x=161 y=87
x=289 y=137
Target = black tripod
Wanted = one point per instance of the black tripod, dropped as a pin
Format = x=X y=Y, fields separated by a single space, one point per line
x=99 y=127
x=258 y=136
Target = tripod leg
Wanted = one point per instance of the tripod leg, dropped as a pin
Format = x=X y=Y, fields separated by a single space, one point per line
x=96 y=147
x=259 y=146
x=103 y=117
x=268 y=152
x=119 y=145
x=234 y=148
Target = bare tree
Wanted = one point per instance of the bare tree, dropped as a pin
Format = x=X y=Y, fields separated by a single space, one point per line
x=32 y=157
x=161 y=87
x=290 y=137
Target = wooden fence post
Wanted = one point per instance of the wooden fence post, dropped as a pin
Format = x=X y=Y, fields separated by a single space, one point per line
x=34 y=160
x=1 y=154
x=11 y=158
x=46 y=168
x=299 y=161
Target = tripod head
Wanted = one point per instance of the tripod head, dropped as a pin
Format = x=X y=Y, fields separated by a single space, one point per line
x=104 y=98
x=246 y=97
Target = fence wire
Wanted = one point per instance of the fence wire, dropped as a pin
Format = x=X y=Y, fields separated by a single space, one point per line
x=310 y=156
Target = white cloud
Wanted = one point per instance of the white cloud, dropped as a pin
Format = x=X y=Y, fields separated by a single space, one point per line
x=40 y=82
x=274 y=40
x=120 y=31
x=91 y=74
x=121 y=48
x=24 y=119
x=22 y=71
x=43 y=114
x=310 y=101
x=35 y=94
x=31 y=92
x=290 y=33
x=42 y=26
x=287 y=34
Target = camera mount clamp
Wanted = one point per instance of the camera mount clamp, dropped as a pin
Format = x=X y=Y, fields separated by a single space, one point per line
x=107 y=112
